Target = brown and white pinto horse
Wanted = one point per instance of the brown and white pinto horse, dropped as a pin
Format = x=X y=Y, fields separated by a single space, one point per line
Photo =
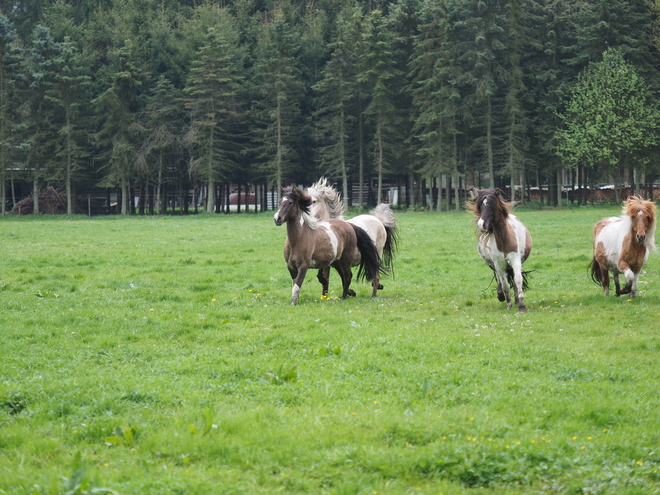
x=504 y=244
x=313 y=244
x=380 y=224
x=622 y=245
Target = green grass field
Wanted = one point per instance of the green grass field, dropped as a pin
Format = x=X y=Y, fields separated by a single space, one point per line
x=161 y=356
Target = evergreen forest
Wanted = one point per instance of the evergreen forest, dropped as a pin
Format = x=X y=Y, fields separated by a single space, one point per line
x=145 y=95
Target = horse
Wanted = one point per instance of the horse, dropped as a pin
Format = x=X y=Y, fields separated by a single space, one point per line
x=622 y=245
x=504 y=244
x=313 y=244
x=380 y=224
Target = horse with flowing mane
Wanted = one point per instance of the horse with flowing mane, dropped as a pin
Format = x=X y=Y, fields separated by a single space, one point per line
x=622 y=245
x=504 y=244
x=313 y=244
x=380 y=225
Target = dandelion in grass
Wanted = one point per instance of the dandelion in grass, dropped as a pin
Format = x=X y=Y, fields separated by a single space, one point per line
x=640 y=463
x=152 y=309
x=213 y=300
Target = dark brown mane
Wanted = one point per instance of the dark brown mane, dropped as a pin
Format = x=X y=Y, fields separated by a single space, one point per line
x=501 y=209
x=303 y=199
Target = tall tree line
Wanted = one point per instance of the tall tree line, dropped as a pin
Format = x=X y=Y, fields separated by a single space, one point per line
x=199 y=94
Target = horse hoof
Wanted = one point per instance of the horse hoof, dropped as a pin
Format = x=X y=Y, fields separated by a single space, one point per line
x=500 y=297
x=351 y=293
x=380 y=287
x=522 y=310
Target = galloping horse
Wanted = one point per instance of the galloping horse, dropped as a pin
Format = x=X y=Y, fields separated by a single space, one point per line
x=380 y=224
x=504 y=244
x=313 y=244
x=622 y=245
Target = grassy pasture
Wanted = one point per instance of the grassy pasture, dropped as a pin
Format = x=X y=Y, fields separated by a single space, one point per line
x=160 y=356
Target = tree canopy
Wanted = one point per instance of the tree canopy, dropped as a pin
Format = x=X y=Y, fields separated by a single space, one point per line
x=144 y=94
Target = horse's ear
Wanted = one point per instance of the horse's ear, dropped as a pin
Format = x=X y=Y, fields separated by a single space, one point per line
x=498 y=192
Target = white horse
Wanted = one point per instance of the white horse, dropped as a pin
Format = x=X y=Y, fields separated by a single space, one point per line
x=380 y=224
x=504 y=244
x=622 y=245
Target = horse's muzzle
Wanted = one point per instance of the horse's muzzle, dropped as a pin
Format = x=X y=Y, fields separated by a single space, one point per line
x=278 y=221
x=641 y=239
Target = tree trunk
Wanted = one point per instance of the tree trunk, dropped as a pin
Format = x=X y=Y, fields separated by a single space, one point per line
x=125 y=193
x=381 y=159
x=342 y=156
x=560 y=186
x=35 y=192
x=489 y=143
x=360 y=153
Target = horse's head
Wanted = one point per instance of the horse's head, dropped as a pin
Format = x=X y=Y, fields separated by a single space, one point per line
x=642 y=214
x=490 y=208
x=326 y=201
x=294 y=201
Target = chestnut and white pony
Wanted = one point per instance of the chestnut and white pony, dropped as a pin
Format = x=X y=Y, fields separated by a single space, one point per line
x=622 y=245
x=313 y=244
x=380 y=225
x=504 y=244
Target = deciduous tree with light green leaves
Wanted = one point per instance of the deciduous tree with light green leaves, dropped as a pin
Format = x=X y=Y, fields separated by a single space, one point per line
x=610 y=118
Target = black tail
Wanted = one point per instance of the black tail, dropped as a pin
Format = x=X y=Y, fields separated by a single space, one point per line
x=370 y=263
x=512 y=282
x=596 y=274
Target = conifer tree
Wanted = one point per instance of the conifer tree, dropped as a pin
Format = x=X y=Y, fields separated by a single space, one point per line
x=66 y=91
x=280 y=89
x=213 y=88
x=337 y=91
x=164 y=122
x=37 y=111
x=434 y=96
x=10 y=56
x=118 y=109
x=379 y=74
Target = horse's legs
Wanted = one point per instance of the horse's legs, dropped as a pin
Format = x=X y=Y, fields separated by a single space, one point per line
x=376 y=284
x=324 y=278
x=633 y=289
x=631 y=281
x=503 y=288
x=344 y=270
x=605 y=279
x=298 y=277
x=520 y=298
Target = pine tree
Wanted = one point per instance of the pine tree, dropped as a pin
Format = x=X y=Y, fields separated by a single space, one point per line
x=516 y=143
x=39 y=136
x=280 y=89
x=163 y=124
x=480 y=30
x=379 y=75
x=434 y=96
x=10 y=56
x=66 y=89
x=118 y=109
x=337 y=91
x=213 y=86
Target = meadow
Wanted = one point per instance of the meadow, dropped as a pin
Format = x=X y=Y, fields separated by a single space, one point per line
x=161 y=356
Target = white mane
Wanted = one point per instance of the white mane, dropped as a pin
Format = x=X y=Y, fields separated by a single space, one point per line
x=327 y=201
